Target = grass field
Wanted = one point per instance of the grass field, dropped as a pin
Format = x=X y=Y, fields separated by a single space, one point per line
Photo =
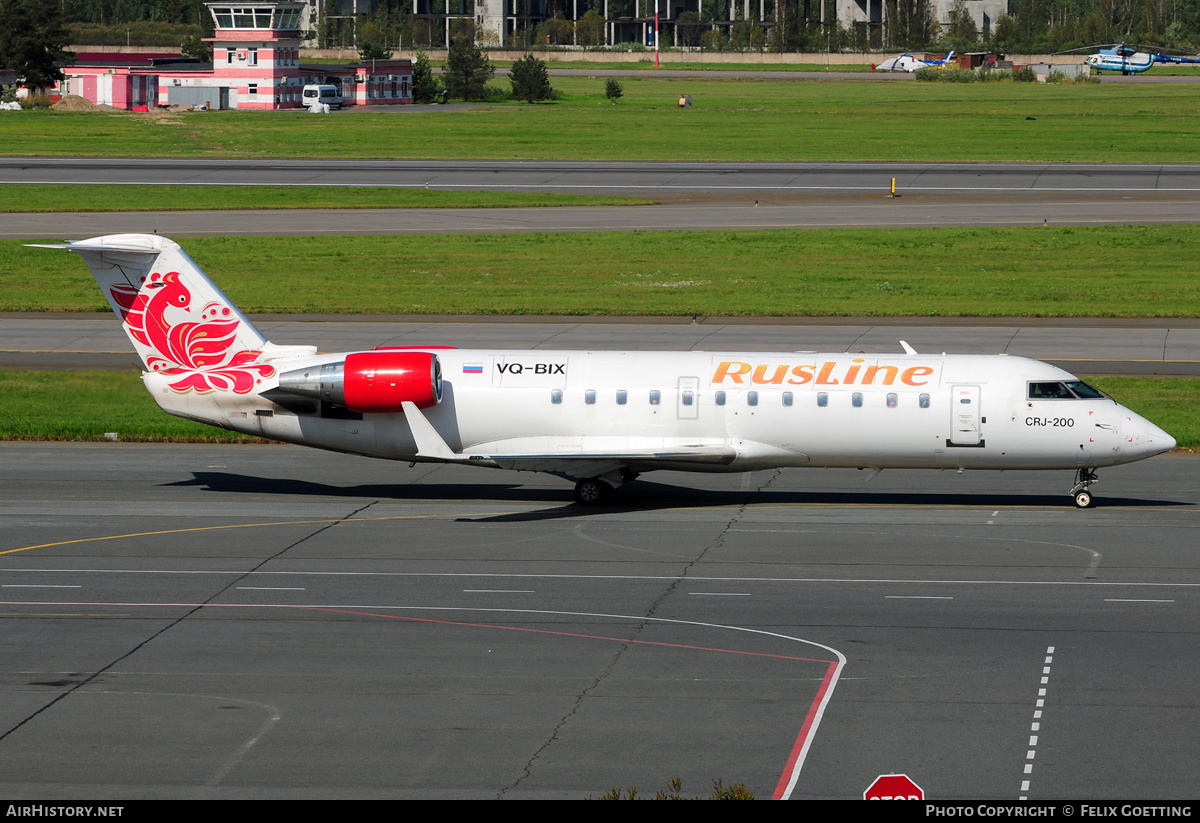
x=646 y=63
x=87 y=405
x=730 y=120
x=1125 y=271
x=51 y=198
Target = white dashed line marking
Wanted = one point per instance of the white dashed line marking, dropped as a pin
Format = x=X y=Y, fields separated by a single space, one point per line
x=1036 y=725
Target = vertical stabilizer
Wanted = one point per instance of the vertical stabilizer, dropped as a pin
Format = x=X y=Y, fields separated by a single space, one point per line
x=179 y=322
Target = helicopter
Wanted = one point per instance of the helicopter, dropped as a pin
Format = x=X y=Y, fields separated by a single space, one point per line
x=1129 y=58
x=907 y=62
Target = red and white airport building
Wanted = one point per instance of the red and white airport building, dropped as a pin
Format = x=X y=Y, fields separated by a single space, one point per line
x=256 y=65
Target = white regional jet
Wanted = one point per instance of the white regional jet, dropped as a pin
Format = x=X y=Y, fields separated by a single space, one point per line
x=602 y=418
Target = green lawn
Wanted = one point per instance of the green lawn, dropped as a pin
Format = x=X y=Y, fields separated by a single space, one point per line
x=646 y=63
x=51 y=198
x=730 y=120
x=87 y=405
x=57 y=405
x=1118 y=271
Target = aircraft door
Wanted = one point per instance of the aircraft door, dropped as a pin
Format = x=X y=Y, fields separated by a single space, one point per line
x=965 y=416
x=687 y=402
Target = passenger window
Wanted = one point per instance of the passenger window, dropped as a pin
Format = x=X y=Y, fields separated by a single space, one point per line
x=752 y=398
x=892 y=401
x=787 y=398
x=589 y=397
x=720 y=398
x=687 y=398
x=924 y=401
x=556 y=396
x=622 y=396
x=822 y=399
x=856 y=400
x=655 y=397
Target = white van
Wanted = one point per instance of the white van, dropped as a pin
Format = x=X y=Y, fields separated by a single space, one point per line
x=322 y=94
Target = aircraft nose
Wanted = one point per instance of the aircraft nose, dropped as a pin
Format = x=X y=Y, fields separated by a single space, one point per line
x=1157 y=440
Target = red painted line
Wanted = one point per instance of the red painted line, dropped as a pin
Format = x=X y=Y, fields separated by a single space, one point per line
x=798 y=747
x=427 y=620
x=565 y=634
x=802 y=738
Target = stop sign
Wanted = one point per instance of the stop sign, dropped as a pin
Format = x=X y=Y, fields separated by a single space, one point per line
x=893 y=787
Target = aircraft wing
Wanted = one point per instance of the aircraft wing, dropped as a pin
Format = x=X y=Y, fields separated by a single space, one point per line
x=581 y=462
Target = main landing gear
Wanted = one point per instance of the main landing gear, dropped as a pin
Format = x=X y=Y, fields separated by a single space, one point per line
x=1084 y=478
x=595 y=491
x=592 y=491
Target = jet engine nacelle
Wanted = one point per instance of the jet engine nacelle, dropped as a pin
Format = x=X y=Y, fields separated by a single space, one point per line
x=373 y=382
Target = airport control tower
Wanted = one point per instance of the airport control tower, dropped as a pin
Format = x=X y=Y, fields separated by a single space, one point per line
x=256 y=53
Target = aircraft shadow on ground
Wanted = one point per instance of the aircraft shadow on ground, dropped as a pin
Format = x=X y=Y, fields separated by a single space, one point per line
x=639 y=496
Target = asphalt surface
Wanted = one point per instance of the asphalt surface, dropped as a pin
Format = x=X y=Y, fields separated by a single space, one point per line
x=615 y=176
x=1087 y=347
x=777 y=213
x=692 y=196
x=273 y=622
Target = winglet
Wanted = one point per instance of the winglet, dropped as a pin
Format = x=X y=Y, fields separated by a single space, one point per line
x=429 y=442
x=907 y=348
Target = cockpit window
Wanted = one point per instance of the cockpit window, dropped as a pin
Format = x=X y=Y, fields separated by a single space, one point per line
x=1050 y=391
x=1085 y=391
x=1064 y=391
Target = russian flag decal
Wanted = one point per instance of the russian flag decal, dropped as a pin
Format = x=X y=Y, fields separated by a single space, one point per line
x=472 y=368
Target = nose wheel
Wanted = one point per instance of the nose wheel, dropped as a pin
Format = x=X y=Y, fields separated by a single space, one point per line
x=1084 y=478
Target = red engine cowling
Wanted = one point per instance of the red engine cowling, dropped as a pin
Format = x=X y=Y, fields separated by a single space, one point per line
x=379 y=381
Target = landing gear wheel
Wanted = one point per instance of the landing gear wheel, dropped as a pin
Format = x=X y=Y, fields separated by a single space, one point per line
x=592 y=492
x=1084 y=478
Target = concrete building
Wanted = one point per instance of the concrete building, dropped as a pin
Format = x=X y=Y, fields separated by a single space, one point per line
x=256 y=65
x=498 y=20
x=873 y=15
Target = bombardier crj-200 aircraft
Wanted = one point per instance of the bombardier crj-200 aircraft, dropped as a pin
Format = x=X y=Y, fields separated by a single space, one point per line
x=603 y=418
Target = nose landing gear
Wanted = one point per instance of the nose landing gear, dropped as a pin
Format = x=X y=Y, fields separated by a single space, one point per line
x=1084 y=478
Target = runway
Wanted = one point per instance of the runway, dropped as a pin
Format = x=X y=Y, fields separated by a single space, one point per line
x=692 y=196
x=1083 y=346
x=613 y=177
x=271 y=622
x=863 y=211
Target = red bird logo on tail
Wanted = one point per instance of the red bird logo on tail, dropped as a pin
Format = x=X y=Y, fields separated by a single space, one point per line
x=201 y=351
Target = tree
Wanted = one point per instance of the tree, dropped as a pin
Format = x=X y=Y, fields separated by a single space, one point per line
x=424 y=85
x=467 y=70
x=690 y=25
x=713 y=40
x=590 y=30
x=193 y=46
x=529 y=79
x=33 y=41
x=559 y=30
x=613 y=90
x=962 y=34
x=372 y=39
